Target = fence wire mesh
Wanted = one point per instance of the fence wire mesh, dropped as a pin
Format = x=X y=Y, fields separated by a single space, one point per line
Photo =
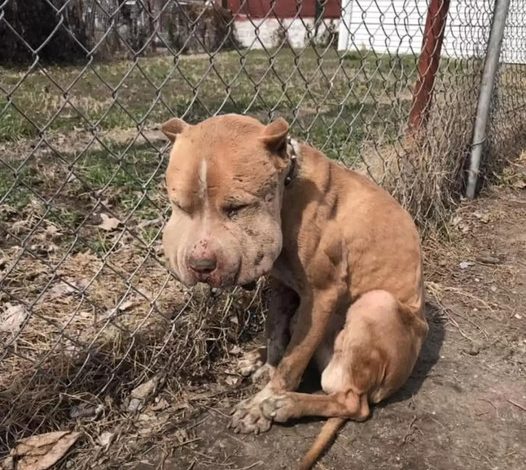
x=507 y=130
x=88 y=309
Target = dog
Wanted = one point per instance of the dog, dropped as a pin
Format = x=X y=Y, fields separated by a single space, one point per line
x=343 y=259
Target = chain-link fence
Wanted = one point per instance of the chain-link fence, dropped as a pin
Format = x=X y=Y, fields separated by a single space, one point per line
x=507 y=132
x=88 y=310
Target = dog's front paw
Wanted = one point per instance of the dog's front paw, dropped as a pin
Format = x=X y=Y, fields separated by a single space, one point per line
x=251 y=362
x=248 y=418
x=279 y=408
x=263 y=375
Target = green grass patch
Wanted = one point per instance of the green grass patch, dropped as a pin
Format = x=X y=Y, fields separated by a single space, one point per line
x=128 y=177
x=301 y=84
x=16 y=185
x=128 y=180
x=338 y=102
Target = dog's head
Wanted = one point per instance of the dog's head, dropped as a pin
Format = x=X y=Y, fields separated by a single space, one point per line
x=225 y=181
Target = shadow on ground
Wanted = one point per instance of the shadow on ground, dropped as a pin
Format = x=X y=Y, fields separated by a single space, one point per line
x=464 y=405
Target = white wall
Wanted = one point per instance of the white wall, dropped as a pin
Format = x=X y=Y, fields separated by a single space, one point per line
x=514 y=42
x=396 y=27
x=260 y=33
x=384 y=26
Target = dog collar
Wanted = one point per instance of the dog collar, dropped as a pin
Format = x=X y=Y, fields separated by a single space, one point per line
x=293 y=157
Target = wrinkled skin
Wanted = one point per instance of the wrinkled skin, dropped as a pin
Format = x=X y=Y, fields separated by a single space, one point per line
x=225 y=186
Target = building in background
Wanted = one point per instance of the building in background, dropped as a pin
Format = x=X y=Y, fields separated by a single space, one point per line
x=263 y=24
x=397 y=26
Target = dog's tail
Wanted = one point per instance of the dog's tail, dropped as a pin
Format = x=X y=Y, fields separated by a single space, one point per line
x=326 y=435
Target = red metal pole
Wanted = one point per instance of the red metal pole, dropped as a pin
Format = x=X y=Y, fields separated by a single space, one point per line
x=428 y=63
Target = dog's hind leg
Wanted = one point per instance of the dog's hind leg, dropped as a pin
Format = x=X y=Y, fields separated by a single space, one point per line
x=288 y=405
x=338 y=407
x=372 y=356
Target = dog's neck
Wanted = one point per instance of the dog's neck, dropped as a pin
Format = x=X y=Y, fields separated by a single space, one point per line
x=310 y=177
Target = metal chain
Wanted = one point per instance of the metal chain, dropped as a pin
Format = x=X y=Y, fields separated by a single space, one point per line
x=88 y=309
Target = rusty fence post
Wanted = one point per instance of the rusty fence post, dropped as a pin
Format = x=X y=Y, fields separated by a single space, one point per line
x=428 y=63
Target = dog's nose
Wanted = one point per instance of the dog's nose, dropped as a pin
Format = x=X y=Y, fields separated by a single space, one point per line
x=203 y=264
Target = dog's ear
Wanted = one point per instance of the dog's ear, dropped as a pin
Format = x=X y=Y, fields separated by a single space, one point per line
x=275 y=135
x=173 y=127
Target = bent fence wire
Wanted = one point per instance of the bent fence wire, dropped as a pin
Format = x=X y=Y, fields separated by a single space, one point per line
x=88 y=309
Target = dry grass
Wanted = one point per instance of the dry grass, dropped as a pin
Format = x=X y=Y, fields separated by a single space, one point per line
x=96 y=332
x=89 y=314
x=94 y=313
x=426 y=171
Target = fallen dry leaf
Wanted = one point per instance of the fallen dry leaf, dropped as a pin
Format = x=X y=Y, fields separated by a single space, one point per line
x=105 y=439
x=126 y=305
x=465 y=264
x=52 y=231
x=42 y=451
x=160 y=405
x=108 y=223
x=43 y=248
x=12 y=318
x=141 y=394
x=181 y=435
x=18 y=227
x=63 y=289
x=60 y=290
x=231 y=381
x=121 y=308
x=151 y=423
x=106 y=203
x=484 y=217
x=86 y=411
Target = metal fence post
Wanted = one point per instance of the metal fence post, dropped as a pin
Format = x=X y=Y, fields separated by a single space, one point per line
x=87 y=301
x=428 y=63
x=486 y=90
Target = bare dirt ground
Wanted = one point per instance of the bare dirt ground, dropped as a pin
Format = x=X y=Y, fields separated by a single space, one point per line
x=464 y=406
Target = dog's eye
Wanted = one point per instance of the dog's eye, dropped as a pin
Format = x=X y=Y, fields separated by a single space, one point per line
x=234 y=209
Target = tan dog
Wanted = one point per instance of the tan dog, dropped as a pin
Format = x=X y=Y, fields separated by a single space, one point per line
x=343 y=257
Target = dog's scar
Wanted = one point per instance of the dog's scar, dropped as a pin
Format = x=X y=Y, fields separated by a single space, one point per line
x=203 y=185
